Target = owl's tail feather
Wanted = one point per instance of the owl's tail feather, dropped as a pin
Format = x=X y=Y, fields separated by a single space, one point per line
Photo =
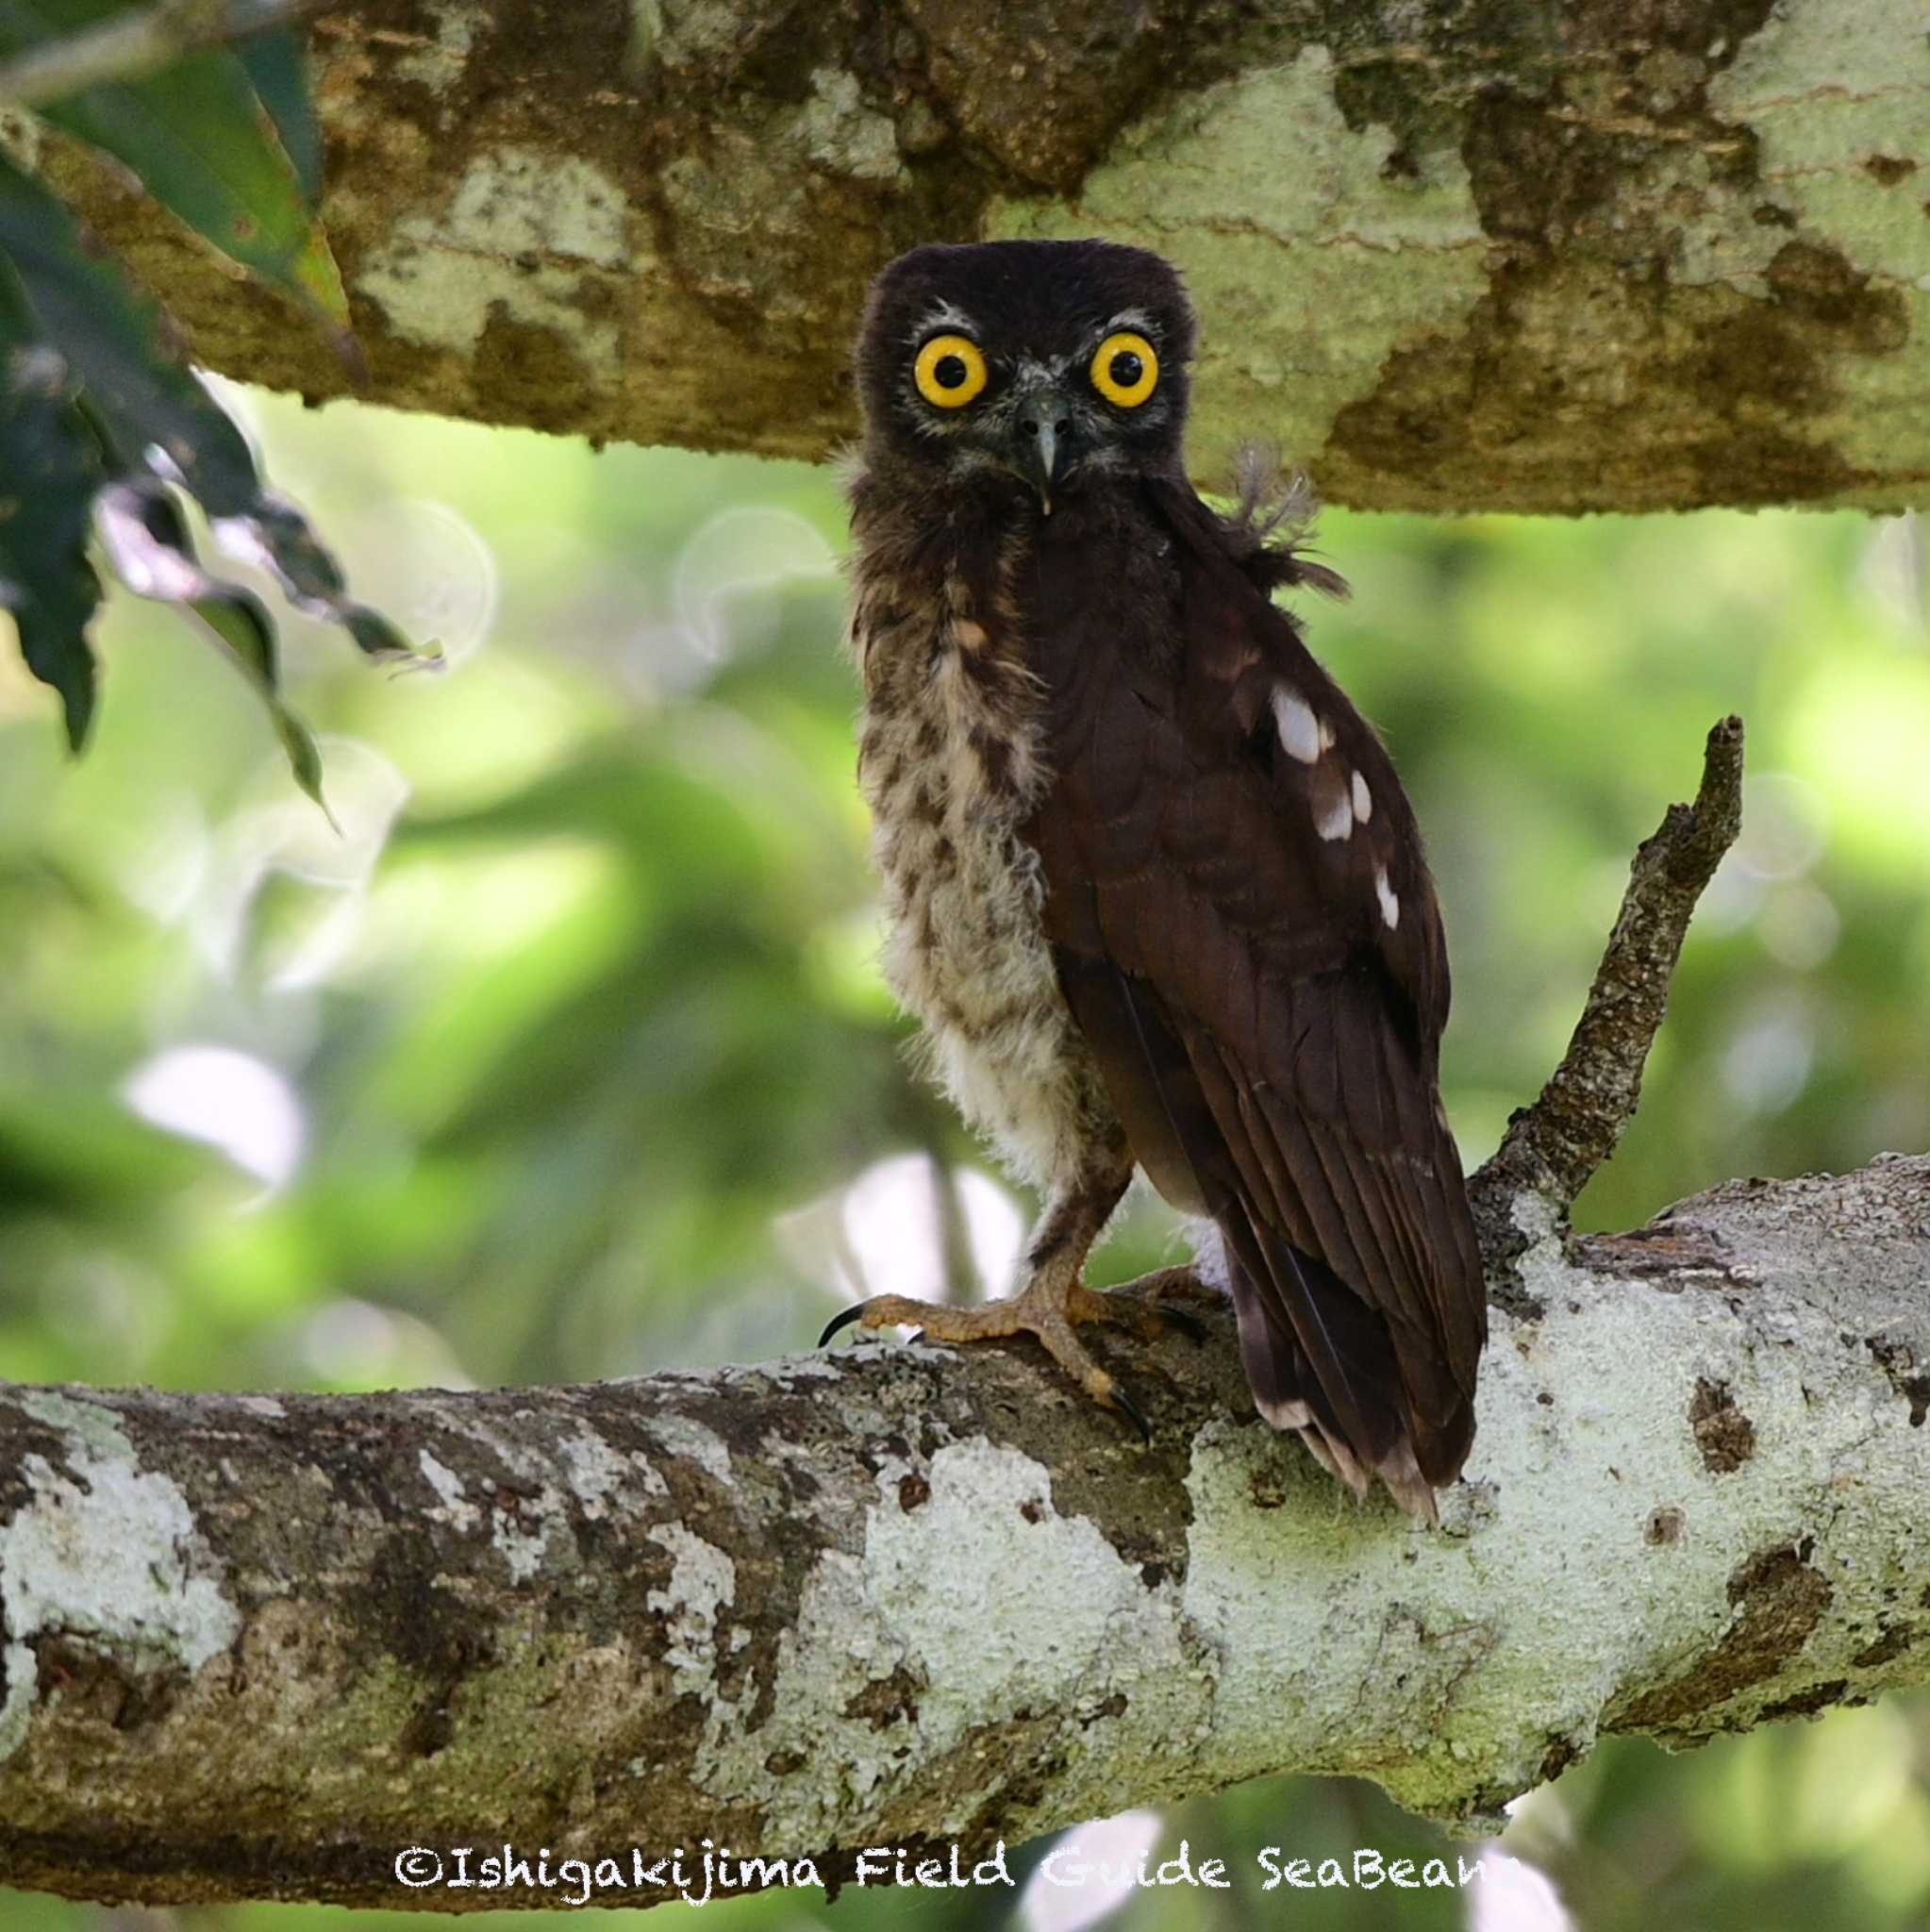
x=1376 y=1436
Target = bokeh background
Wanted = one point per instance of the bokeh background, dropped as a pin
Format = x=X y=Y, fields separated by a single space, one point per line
x=569 y=1057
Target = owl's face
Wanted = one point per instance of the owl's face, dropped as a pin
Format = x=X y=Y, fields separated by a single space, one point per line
x=1056 y=363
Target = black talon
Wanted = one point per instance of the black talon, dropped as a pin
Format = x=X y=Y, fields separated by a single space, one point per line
x=1131 y=1410
x=854 y=1313
x=1188 y=1326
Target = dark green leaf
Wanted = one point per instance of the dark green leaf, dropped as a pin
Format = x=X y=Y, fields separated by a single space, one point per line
x=198 y=138
x=141 y=398
x=152 y=413
x=153 y=554
x=304 y=757
x=276 y=535
x=49 y=468
x=381 y=640
x=277 y=63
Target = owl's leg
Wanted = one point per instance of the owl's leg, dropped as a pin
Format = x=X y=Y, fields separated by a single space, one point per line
x=1052 y=1301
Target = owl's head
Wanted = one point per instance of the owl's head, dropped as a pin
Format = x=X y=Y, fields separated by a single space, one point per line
x=1053 y=362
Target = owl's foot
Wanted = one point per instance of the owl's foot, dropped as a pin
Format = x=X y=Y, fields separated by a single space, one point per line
x=1051 y=1306
x=1150 y=1298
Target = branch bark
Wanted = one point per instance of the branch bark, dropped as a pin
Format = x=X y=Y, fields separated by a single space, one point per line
x=1625 y=253
x=344 y=1648
x=257 y=1647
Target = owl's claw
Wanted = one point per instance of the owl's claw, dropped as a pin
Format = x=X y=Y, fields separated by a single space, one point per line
x=855 y=1313
x=1130 y=1410
x=1143 y=1304
x=1048 y=1309
x=1151 y=1297
x=1190 y=1325
x=843 y=1319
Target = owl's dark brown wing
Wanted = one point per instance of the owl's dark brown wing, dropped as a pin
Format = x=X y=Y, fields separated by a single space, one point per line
x=1247 y=934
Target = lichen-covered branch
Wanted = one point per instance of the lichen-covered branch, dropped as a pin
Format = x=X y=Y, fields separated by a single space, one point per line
x=260 y=1646
x=1552 y=1148
x=1622 y=253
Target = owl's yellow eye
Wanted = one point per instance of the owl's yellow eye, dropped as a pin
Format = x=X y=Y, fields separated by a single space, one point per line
x=1125 y=371
x=950 y=371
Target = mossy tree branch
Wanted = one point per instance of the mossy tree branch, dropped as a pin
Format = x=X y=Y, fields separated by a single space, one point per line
x=257 y=1647
x=1610 y=255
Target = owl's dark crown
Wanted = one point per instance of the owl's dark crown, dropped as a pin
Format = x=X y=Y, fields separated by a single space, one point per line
x=1054 y=363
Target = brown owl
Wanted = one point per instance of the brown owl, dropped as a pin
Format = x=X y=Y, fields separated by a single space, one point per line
x=1153 y=889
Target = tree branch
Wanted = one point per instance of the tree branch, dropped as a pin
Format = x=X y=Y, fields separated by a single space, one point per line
x=256 y=1647
x=1552 y=1149
x=1630 y=258
x=266 y=1646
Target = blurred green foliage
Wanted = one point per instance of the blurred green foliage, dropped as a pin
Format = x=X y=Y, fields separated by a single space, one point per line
x=562 y=1059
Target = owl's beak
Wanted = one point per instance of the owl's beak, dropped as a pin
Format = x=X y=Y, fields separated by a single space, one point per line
x=1041 y=431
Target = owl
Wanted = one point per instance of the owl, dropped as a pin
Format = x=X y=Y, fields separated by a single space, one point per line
x=1152 y=885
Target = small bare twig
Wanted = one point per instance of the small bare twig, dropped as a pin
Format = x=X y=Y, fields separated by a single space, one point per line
x=130 y=46
x=1553 y=1147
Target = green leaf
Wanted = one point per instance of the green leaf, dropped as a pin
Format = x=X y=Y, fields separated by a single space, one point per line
x=141 y=397
x=277 y=63
x=198 y=140
x=49 y=468
x=154 y=414
x=147 y=541
x=274 y=535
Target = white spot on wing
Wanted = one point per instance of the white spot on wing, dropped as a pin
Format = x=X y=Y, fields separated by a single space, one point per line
x=1390 y=900
x=1334 y=818
x=1300 y=730
x=1284 y=1415
x=1363 y=799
